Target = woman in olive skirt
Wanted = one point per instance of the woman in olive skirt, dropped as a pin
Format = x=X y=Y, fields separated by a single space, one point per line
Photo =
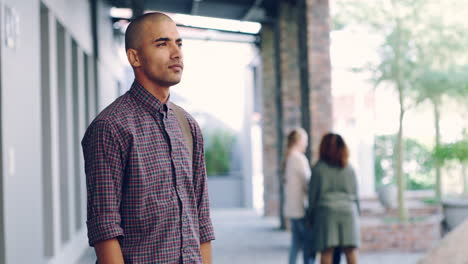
x=333 y=202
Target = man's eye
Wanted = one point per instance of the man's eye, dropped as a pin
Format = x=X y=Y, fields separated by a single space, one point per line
x=160 y=44
x=179 y=44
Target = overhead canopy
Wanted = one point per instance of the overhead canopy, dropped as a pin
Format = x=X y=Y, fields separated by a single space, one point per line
x=250 y=10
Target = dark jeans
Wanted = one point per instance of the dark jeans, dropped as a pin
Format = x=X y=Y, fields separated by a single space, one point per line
x=299 y=234
x=337 y=255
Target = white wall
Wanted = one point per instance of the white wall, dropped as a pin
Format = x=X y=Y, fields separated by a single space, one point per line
x=32 y=185
x=110 y=66
x=75 y=16
x=21 y=137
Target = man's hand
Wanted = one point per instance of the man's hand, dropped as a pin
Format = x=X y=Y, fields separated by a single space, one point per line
x=109 y=252
x=205 y=249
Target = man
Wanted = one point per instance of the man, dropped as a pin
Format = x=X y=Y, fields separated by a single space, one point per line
x=147 y=193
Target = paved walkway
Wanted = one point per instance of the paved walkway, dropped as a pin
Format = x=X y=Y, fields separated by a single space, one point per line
x=244 y=237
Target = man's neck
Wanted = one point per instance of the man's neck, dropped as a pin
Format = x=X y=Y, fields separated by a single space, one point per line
x=161 y=93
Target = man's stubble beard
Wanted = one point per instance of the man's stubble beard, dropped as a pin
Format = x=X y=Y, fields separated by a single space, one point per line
x=164 y=82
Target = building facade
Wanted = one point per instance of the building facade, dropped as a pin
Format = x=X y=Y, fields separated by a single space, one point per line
x=54 y=54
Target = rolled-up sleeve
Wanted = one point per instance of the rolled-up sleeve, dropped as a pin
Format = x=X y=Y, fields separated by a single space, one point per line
x=201 y=189
x=104 y=174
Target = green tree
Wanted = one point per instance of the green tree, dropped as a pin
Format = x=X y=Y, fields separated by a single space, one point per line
x=433 y=85
x=395 y=21
x=415 y=43
x=441 y=73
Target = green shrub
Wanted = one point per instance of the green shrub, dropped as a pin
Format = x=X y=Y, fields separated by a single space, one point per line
x=453 y=151
x=218 y=151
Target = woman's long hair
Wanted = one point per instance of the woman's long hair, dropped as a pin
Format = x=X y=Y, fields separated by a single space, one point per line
x=333 y=150
x=293 y=137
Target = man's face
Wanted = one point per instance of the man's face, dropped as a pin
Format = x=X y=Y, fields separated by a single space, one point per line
x=160 y=53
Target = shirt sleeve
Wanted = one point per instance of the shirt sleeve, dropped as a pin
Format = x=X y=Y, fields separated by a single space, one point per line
x=104 y=174
x=201 y=188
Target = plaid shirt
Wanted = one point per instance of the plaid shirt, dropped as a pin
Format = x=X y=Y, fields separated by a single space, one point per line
x=142 y=186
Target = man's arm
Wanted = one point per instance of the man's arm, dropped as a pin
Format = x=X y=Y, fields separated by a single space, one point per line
x=104 y=174
x=205 y=249
x=109 y=252
x=201 y=192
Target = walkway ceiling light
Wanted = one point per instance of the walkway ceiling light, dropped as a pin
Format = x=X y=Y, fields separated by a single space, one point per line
x=122 y=13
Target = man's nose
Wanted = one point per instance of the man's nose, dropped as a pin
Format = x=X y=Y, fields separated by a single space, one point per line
x=176 y=51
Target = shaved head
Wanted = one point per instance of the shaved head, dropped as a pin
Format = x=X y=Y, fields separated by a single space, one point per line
x=154 y=50
x=134 y=32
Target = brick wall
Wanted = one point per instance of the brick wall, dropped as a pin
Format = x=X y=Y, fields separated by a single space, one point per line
x=409 y=237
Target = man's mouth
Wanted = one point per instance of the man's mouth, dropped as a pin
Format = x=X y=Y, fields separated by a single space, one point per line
x=176 y=66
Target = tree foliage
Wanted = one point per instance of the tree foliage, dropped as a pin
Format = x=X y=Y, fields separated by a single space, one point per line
x=422 y=56
x=418 y=163
x=452 y=151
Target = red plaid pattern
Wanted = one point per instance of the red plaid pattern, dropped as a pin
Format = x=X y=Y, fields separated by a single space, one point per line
x=142 y=186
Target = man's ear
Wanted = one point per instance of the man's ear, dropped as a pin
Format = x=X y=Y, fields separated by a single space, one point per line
x=133 y=58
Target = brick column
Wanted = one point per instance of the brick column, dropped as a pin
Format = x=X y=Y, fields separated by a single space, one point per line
x=269 y=120
x=318 y=42
x=296 y=84
x=290 y=71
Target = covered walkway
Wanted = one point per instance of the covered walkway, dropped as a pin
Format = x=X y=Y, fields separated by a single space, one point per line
x=244 y=237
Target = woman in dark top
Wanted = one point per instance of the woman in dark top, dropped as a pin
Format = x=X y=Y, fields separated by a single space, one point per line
x=333 y=202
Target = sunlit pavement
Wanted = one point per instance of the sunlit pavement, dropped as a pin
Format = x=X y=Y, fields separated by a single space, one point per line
x=245 y=237
x=242 y=236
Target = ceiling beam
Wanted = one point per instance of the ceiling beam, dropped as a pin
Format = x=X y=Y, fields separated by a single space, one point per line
x=255 y=12
x=195 y=7
x=138 y=8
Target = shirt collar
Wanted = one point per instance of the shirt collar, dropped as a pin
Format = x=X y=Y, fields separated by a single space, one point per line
x=149 y=101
